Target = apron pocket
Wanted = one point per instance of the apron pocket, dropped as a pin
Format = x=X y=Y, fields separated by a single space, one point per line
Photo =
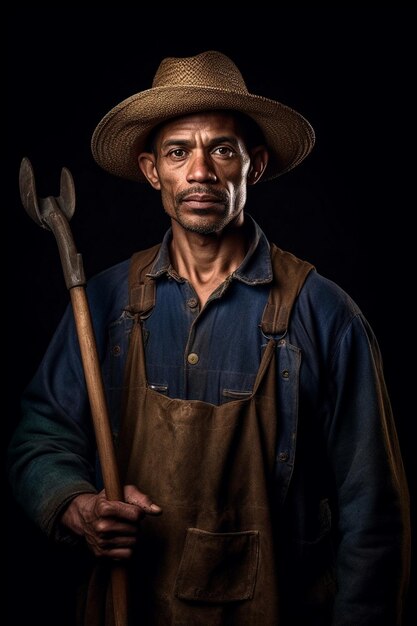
x=218 y=567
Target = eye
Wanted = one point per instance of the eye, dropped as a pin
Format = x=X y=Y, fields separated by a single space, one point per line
x=224 y=151
x=177 y=153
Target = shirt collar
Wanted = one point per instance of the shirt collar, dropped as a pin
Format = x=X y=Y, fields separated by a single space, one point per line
x=255 y=269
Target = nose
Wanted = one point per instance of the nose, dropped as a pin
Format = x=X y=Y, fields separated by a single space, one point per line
x=201 y=169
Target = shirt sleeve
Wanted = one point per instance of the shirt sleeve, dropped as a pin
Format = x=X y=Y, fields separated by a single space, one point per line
x=372 y=495
x=51 y=457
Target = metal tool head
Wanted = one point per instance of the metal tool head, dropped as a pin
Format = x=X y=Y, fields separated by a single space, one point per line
x=35 y=206
x=54 y=213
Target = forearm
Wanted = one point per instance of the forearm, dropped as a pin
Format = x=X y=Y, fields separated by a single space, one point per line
x=51 y=460
x=45 y=487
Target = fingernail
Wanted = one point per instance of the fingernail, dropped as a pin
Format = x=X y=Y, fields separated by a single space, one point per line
x=155 y=508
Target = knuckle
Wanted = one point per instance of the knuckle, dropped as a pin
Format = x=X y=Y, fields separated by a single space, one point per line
x=101 y=527
x=104 y=507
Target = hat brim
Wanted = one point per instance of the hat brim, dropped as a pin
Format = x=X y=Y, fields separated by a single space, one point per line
x=121 y=135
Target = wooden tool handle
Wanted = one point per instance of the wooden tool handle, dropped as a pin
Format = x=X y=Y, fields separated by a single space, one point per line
x=104 y=438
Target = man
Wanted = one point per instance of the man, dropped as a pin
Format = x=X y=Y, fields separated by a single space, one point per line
x=263 y=479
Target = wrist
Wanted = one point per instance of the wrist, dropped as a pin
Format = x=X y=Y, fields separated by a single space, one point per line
x=72 y=517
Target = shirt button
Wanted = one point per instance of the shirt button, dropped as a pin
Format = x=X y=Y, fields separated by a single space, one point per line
x=285 y=374
x=283 y=456
x=192 y=358
x=192 y=303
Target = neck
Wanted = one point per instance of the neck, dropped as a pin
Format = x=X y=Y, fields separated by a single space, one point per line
x=207 y=260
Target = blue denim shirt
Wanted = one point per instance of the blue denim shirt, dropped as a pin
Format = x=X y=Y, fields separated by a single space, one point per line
x=340 y=494
x=206 y=355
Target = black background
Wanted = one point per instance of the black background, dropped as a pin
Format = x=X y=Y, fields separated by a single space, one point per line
x=348 y=208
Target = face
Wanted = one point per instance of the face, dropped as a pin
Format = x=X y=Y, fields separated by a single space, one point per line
x=202 y=167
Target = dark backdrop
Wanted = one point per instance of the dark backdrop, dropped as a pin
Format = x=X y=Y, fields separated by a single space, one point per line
x=347 y=209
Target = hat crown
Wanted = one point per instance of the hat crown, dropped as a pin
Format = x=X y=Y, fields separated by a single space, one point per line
x=182 y=86
x=208 y=69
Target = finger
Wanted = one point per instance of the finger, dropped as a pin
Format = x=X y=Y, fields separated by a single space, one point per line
x=118 y=510
x=104 y=546
x=142 y=500
x=116 y=543
x=120 y=554
x=116 y=554
x=109 y=527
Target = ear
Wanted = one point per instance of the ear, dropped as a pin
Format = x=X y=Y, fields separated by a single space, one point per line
x=259 y=161
x=147 y=164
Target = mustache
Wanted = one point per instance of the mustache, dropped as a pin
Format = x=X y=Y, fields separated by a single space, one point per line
x=219 y=194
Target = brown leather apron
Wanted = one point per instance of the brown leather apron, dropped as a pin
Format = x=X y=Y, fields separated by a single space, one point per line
x=209 y=559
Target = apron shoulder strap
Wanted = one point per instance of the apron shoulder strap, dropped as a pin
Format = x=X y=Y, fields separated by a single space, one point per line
x=141 y=287
x=289 y=276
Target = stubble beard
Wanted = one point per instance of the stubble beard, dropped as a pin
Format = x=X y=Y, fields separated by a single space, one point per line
x=205 y=225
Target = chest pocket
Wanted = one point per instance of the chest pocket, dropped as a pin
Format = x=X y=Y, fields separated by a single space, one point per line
x=233 y=394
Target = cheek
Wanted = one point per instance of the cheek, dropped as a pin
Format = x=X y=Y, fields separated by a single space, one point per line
x=238 y=187
x=240 y=193
x=169 y=181
x=238 y=178
x=169 y=189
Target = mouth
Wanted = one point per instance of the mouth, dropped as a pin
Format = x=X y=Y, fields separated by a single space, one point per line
x=202 y=201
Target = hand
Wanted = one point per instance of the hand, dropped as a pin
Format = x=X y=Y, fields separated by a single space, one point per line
x=110 y=528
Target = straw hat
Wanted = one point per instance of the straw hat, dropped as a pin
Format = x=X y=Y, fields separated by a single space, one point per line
x=206 y=82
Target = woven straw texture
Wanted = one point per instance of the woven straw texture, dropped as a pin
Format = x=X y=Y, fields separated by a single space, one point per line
x=206 y=82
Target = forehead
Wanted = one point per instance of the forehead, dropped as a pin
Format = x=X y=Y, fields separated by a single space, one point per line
x=212 y=122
